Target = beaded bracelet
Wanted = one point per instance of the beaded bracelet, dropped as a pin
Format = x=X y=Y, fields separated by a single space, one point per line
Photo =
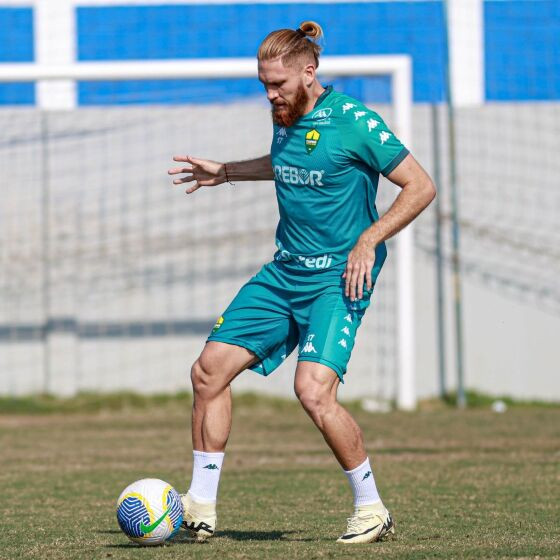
x=227 y=178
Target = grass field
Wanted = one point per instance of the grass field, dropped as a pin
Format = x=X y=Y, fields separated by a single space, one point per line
x=472 y=484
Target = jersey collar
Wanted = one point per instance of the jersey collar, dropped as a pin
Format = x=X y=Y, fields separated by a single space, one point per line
x=318 y=103
x=323 y=96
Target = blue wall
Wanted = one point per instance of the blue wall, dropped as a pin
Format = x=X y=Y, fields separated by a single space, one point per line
x=16 y=45
x=233 y=30
x=522 y=46
x=522 y=49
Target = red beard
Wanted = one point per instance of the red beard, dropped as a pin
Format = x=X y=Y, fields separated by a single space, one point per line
x=286 y=115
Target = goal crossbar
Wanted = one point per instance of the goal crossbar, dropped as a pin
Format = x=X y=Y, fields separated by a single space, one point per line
x=398 y=67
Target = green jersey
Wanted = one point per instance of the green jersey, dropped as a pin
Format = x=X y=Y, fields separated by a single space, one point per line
x=326 y=168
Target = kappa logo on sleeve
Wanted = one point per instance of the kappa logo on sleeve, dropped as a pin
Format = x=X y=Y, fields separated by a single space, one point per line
x=384 y=136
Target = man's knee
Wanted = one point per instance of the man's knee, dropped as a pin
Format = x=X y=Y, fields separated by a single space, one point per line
x=205 y=378
x=315 y=387
x=315 y=399
x=217 y=366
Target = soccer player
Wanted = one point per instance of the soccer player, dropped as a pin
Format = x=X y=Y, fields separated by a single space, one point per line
x=326 y=155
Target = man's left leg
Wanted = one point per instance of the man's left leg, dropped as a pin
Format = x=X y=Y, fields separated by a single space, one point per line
x=316 y=386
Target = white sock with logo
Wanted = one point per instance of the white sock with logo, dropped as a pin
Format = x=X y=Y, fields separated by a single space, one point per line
x=363 y=485
x=207 y=468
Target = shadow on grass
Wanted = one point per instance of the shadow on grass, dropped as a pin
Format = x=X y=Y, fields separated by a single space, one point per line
x=261 y=535
x=235 y=535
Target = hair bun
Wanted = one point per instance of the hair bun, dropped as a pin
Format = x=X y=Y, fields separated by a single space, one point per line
x=311 y=29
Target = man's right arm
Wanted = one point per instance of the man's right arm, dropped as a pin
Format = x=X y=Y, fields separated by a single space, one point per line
x=208 y=173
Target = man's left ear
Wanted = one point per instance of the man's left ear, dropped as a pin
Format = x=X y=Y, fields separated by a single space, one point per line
x=309 y=75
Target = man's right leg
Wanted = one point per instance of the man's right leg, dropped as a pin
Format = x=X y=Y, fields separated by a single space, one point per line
x=211 y=376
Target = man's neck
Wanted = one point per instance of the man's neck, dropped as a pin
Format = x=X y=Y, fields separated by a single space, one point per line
x=316 y=91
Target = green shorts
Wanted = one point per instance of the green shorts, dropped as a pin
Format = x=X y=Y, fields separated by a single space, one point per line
x=277 y=310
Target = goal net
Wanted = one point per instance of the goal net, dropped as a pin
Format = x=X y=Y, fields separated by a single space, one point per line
x=111 y=277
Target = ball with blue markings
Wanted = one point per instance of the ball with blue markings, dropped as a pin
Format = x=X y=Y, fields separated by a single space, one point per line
x=149 y=511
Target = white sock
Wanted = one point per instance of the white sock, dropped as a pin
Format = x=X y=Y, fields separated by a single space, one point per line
x=363 y=485
x=207 y=468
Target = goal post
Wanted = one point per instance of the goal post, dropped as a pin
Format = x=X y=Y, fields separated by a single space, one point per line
x=397 y=67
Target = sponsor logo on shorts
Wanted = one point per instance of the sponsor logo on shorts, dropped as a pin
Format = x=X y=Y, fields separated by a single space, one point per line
x=298 y=176
x=218 y=324
x=312 y=138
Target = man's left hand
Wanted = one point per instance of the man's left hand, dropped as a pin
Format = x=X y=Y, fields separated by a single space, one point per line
x=358 y=269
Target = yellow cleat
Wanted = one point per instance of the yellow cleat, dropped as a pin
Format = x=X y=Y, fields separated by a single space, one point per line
x=198 y=519
x=368 y=524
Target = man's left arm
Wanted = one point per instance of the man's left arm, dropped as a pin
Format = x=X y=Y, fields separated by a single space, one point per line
x=417 y=192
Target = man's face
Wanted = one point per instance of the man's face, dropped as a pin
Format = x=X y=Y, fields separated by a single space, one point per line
x=285 y=89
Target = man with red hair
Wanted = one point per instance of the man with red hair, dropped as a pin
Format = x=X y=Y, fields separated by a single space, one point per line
x=327 y=153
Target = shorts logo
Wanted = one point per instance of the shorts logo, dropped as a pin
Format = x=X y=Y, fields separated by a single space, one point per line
x=342 y=343
x=309 y=344
x=348 y=318
x=346 y=331
x=311 y=140
x=218 y=324
x=309 y=348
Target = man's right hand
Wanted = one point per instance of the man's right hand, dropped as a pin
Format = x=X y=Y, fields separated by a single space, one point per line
x=204 y=173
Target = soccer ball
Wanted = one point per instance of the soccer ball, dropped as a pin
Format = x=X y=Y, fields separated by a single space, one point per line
x=149 y=511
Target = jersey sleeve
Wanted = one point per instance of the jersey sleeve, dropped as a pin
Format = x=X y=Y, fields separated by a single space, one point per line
x=367 y=138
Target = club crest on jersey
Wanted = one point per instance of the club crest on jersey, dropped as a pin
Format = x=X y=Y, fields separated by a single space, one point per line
x=311 y=140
